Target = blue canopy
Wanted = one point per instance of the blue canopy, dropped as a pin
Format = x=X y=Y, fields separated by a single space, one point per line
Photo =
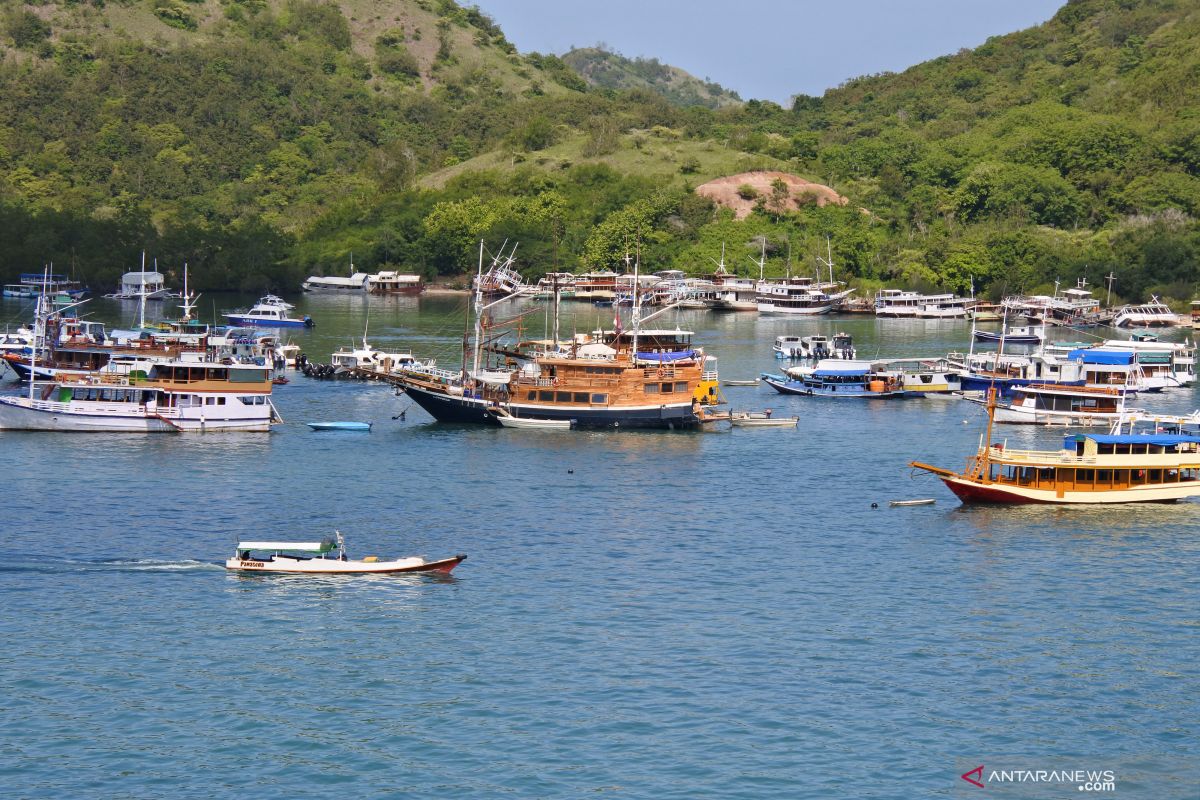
x=840 y=373
x=1161 y=439
x=1108 y=357
x=680 y=355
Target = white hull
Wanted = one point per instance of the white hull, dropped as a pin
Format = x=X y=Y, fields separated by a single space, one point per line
x=771 y=308
x=1029 y=416
x=528 y=423
x=19 y=414
x=332 y=566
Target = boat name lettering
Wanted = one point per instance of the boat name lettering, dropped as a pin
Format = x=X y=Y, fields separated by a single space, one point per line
x=252 y=564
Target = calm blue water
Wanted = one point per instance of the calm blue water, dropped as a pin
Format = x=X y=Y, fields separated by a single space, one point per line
x=642 y=614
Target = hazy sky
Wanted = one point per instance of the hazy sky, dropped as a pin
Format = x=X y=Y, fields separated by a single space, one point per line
x=768 y=49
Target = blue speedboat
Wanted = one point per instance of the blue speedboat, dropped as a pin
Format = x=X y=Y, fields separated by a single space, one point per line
x=269 y=312
x=339 y=426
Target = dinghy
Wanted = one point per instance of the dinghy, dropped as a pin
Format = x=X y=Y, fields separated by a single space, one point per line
x=339 y=426
x=761 y=419
x=530 y=423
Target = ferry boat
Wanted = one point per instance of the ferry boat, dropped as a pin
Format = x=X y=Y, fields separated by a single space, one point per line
x=838 y=379
x=269 y=312
x=182 y=395
x=815 y=347
x=1051 y=404
x=1134 y=467
x=1154 y=314
x=326 y=557
x=595 y=286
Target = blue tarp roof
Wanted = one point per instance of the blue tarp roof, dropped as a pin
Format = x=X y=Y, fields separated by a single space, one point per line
x=1162 y=439
x=675 y=356
x=1110 y=357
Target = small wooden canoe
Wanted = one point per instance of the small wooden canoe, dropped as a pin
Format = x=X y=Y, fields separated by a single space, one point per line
x=928 y=501
x=740 y=383
x=339 y=426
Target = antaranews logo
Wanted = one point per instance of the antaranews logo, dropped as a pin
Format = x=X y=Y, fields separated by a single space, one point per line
x=1083 y=780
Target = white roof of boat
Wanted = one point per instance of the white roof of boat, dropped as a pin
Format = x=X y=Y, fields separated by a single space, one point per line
x=314 y=547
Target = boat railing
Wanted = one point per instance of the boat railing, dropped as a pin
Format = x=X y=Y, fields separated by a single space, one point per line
x=1042 y=457
x=709 y=376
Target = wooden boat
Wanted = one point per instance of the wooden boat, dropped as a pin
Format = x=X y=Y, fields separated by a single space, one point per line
x=928 y=501
x=530 y=423
x=339 y=426
x=761 y=419
x=1162 y=465
x=320 y=558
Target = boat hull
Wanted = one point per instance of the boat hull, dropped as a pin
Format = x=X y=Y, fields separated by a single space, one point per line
x=972 y=492
x=23 y=418
x=453 y=408
x=330 y=566
x=257 y=322
x=848 y=392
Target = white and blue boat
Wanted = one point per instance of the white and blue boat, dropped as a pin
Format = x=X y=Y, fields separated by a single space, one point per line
x=839 y=379
x=269 y=312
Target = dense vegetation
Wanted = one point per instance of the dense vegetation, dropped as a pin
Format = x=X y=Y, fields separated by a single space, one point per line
x=605 y=69
x=262 y=140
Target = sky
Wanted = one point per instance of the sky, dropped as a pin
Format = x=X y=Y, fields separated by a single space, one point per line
x=768 y=49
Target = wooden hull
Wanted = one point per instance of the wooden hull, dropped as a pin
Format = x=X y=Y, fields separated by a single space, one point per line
x=446 y=407
x=972 y=492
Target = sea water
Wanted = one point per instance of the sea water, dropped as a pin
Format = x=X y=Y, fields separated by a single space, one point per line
x=733 y=614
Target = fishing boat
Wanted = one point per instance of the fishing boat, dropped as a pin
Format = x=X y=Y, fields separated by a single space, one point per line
x=326 y=557
x=761 y=419
x=340 y=426
x=269 y=312
x=188 y=394
x=1133 y=467
x=838 y=379
x=1076 y=406
x=637 y=378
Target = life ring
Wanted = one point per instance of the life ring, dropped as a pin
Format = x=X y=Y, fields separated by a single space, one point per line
x=661 y=372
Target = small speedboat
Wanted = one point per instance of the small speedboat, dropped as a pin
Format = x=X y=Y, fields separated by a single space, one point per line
x=339 y=426
x=761 y=419
x=326 y=557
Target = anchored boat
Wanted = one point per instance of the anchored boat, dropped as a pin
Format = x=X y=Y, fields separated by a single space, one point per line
x=269 y=312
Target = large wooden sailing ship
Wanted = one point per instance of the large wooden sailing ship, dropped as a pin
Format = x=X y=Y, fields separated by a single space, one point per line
x=636 y=379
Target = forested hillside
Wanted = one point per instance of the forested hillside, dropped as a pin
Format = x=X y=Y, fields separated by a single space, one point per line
x=607 y=70
x=261 y=140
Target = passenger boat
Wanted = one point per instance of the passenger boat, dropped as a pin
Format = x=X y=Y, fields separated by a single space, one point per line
x=326 y=557
x=189 y=394
x=838 y=379
x=143 y=283
x=796 y=296
x=370 y=360
x=355 y=282
x=37 y=284
x=1134 y=467
x=904 y=304
x=636 y=378
x=761 y=419
x=393 y=282
x=925 y=377
x=269 y=312
x=1077 y=406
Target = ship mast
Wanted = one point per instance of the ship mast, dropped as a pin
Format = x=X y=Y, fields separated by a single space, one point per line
x=636 y=316
x=478 y=316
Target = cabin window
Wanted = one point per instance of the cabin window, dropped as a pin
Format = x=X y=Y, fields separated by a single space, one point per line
x=600 y=398
x=546 y=397
x=581 y=397
x=652 y=388
x=1103 y=476
x=562 y=397
x=531 y=395
x=1156 y=476
x=1085 y=476
x=667 y=388
x=681 y=386
x=210 y=401
x=247 y=375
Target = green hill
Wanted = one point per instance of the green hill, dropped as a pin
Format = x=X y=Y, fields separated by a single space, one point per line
x=259 y=140
x=607 y=70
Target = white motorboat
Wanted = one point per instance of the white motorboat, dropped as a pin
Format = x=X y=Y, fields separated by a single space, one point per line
x=531 y=423
x=326 y=557
x=269 y=312
x=1148 y=315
